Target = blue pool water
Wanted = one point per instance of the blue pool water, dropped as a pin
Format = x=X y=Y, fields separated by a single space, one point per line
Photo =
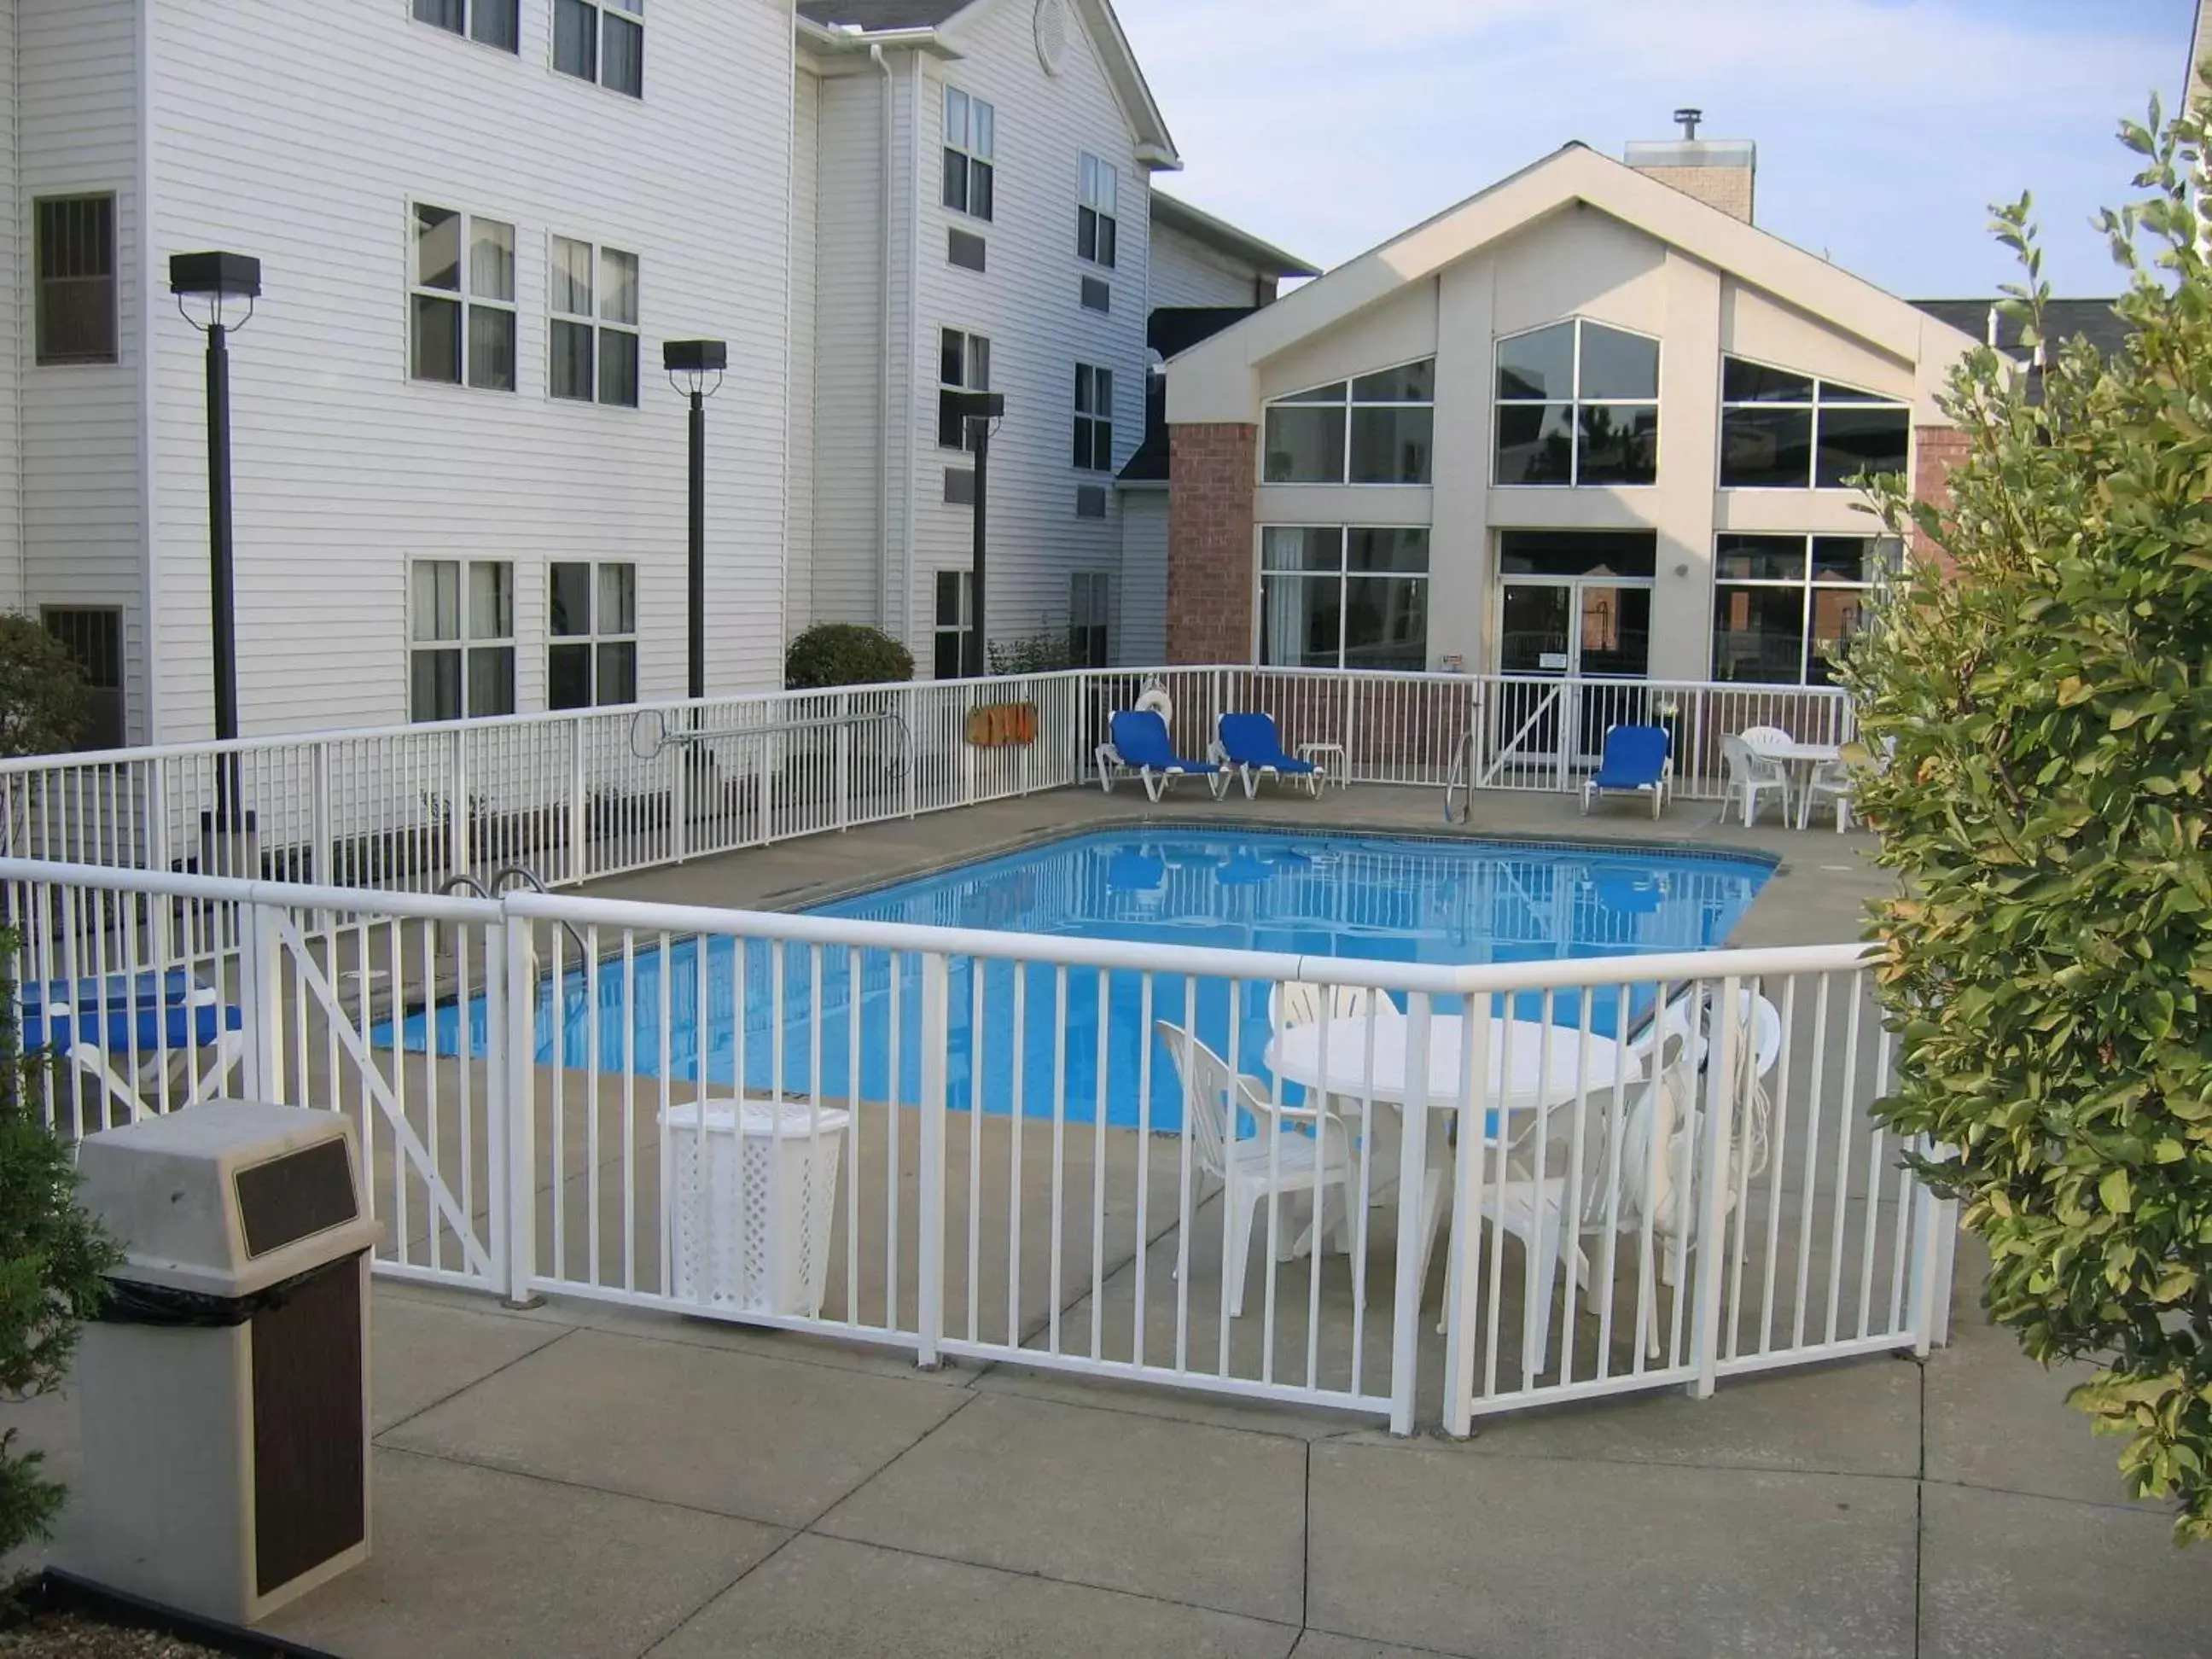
x=1381 y=898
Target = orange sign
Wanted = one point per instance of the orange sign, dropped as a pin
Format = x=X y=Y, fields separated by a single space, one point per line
x=998 y=724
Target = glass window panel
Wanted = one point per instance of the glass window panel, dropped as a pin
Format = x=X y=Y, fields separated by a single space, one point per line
x=1746 y=382
x=951 y=356
x=979 y=189
x=1086 y=234
x=955 y=119
x=1413 y=383
x=1108 y=248
x=979 y=363
x=437 y=599
x=1386 y=622
x=618 y=599
x=951 y=598
x=435 y=351
x=491 y=261
x=1767 y=448
x=1759 y=634
x=1856 y=440
x=1538 y=365
x=1618 y=365
x=952 y=426
x=617 y=286
x=1838 y=614
x=618 y=367
x=576 y=39
x=498 y=23
x=568 y=360
x=491 y=349
x=1740 y=558
x=568 y=596
x=572 y=277
x=1619 y=444
x=1535 y=443
x=437 y=248
x=1391 y=445
x=443 y=14
x=569 y=677
x=1577 y=552
x=619 y=672
x=1301 y=621
x=491 y=599
x=1301 y=548
x=1401 y=551
x=944 y=657
x=1320 y=394
x=955 y=181
x=491 y=681
x=983 y=122
x=622 y=59
x=1832 y=393
x=1304 y=444
x=1843 y=559
x=434 y=693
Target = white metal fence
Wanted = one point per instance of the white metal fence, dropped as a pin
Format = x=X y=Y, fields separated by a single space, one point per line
x=575 y=795
x=1127 y=1160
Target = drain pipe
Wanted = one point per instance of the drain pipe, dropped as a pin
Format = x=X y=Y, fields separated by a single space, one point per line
x=914 y=329
x=884 y=360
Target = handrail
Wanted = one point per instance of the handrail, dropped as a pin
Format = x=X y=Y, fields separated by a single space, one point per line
x=530 y=878
x=693 y=734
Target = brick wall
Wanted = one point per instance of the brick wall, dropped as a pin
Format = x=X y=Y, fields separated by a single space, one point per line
x=1211 y=470
x=1937 y=450
x=1729 y=189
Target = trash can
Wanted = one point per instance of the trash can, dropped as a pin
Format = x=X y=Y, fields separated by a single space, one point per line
x=224 y=1388
x=750 y=1203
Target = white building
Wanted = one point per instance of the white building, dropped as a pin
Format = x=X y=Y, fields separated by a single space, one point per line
x=460 y=474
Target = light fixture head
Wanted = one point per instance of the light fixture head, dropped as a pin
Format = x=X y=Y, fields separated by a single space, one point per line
x=695 y=357
x=215 y=275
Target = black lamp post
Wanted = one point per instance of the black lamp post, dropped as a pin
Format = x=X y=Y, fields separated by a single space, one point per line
x=693 y=360
x=977 y=411
x=217 y=281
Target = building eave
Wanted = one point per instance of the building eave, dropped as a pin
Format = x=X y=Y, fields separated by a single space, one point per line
x=1223 y=237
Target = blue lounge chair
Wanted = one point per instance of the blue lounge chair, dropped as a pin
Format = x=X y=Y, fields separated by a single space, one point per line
x=156 y=1020
x=1250 y=744
x=1635 y=759
x=1138 y=742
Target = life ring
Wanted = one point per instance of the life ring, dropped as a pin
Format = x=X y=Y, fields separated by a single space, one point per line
x=1154 y=699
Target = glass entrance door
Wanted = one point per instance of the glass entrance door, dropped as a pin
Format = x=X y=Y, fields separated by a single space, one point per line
x=1535 y=636
x=1568 y=627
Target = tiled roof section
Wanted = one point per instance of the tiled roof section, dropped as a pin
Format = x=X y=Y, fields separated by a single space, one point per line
x=2062 y=321
x=881 y=14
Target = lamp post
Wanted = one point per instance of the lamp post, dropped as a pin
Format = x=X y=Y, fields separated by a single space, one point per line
x=216 y=281
x=689 y=363
x=977 y=411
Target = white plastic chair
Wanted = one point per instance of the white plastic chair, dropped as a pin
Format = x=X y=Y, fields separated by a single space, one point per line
x=1752 y=775
x=1295 y=1002
x=1834 y=780
x=1276 y=1161
x=1764 y=737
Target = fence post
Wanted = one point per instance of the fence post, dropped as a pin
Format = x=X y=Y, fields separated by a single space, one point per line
x=510 y=993
x=161 y=909
x=265 y=1005
x=1463 y=1283
x=579 y=809
x=1412 y=1234
x=457 y=817
x=843 y=780
x=1713 y=1186
x=679 y=796
x=930 y=1258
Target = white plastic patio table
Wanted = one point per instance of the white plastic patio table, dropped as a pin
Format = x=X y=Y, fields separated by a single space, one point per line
x=1800 y=758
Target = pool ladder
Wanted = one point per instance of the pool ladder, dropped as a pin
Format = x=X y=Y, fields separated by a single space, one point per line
x=506 y=876
x=1460 y=783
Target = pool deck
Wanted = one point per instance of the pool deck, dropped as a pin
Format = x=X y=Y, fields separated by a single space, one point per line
x=578 y=1480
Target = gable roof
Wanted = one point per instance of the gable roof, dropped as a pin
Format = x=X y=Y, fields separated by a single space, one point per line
x=2062 y=321
x=1223 y=237
x=1155 y=144
x=1573 y=175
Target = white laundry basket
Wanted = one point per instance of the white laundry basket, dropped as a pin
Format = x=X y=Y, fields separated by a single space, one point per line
x=752 y=1217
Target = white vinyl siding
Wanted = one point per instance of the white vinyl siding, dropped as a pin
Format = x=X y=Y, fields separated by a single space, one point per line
x=1141 y=636
x=1189 y=273
x=14 y=256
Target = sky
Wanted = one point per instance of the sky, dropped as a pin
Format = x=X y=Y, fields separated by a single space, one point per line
x=1885 y=127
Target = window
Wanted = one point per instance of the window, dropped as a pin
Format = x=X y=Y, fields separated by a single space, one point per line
x=588 y=363
x=1577 y=403
x=966 y=250
x=603 y=42
x=1094 y=418
x=592 y=658
x=1374 y=430
x=1783 y=606
x=970 y=131
x=1344 y=599
x=1091 y=501
x=960 y=486
x=1784 y=431
x=94 y=638
x=956 y=625
x=963 y=365
x=1095 y=224
x=493 y=22
x=461 y=329
x=1096 y=296
x=75 y=297
x=461 y=649
x=1088 y=596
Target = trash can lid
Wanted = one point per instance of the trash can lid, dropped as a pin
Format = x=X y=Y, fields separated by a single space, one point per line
x=753 y=1116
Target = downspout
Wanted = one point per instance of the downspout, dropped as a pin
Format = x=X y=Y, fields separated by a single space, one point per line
x=790 y=218
x=914 y=326
x=148 y=312
x=20 y=278
x=884 y=363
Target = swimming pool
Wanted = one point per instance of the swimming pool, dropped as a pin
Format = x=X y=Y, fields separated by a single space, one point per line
x=1382 y=898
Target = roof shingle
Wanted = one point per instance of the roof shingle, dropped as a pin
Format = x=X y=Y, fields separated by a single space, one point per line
x=881 y=13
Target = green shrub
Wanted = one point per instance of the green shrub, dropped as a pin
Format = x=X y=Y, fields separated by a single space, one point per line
x=1045 y=652
x=52 y=1257
x=43 y=705
x=2049 y=958
x=844 y=653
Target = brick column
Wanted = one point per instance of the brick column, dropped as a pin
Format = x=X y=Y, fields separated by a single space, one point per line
x=1937 y=449
x=1212 y=469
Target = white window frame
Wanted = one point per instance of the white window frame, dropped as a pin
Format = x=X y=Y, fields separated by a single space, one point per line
x=1860 y=399
x=1094 y=419
x=606 y=16
x=975 y=375
x=463 y=297
x=971 y=154
x=1097 y=196
x=596 y=637
x=1805 y=584
x=1343 y=577
x=465 y=641
x=1351 y=405
x=600 y=319
x=468 y=29
x=1090 y=609
x=1576 y=402
x=108 y=223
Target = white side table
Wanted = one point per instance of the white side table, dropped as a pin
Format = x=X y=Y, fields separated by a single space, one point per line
x=1337 y=769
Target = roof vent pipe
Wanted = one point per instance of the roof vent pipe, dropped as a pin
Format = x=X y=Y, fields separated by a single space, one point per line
x=1689 y=118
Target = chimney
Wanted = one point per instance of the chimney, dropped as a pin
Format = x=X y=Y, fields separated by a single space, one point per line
x=1718 y=172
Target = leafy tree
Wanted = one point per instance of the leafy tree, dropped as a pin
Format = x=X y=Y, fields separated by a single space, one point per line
x=52 y=1257
x=2045 y=695
x=42 y=691
x=844 y=653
